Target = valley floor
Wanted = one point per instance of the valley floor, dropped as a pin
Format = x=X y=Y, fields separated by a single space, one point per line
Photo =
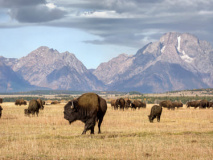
x=182 y=134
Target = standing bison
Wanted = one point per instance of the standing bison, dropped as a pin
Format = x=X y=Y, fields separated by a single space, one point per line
x=33 y=108
x=20 y=102
x=176 y=104
x=128 y=103
x=194 y=104
x=204 y=104
x=155 y=112
x=1 y=111
x=88 y=108
x=210 y=104
x=120 y=103
x=1 y=100
x=138 y=104
x=167 y=104
x=113 y=102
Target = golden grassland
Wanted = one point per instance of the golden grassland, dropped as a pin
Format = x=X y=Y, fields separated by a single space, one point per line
x=181 y=134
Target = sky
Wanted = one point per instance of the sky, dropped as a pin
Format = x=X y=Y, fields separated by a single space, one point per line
x=97 y=31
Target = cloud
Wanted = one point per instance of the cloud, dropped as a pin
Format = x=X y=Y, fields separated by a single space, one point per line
x=37 y=14
x=32 y=11
x=119 y=22
x=18 y=3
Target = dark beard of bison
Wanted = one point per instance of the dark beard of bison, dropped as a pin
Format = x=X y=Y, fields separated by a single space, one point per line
x=70 y=112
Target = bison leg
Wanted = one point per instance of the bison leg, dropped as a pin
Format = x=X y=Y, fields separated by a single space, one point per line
x=92 y=130
x=158 y=118
x=99 y=124
x=90 y=124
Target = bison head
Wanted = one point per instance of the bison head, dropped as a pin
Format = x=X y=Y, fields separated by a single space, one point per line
x=71 y=111
x=151 y=118
x=27 y=112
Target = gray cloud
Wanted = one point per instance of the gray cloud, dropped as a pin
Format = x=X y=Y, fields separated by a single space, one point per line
x=122 y=22
x=18 y=3
x=36 y=14
x=32 y=11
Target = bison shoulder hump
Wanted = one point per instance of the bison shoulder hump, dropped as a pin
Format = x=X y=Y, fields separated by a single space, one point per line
x=89 y=100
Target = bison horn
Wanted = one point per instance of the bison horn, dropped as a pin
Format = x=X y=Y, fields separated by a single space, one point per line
x=72 y=105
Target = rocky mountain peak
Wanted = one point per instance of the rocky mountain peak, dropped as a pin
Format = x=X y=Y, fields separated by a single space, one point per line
x=162 y=65
x=46 y=67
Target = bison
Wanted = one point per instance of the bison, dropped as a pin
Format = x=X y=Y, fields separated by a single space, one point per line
x=1 y=111
x=210 y=104
x=20 y=102
x=113 y=102
x=54 y=102
x=138 y=104
x=40 y=103
x=87 y=108
x=120 y=103
x=128 y=103
x=33 y=108
x=194 y=104
x=176 y=104
x=204 y=104
x=156 y=111
x=1 y=100
x=167 y=104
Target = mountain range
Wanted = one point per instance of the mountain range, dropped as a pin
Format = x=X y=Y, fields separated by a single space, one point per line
x=178 y=61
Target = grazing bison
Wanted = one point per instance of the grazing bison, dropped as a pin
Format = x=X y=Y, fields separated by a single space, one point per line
x=33 y=108
x=167 y=104
x=26 y=112
x=1 y=100
x=40 y=103
x=156 y=111
x=87 y=108
x=138 y=104
x=176 y=104
x=1 y=111
x=120 y=103
x=194 y=104
x=20 y=102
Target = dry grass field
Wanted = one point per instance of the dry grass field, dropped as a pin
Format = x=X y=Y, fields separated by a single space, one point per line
x=183 y=134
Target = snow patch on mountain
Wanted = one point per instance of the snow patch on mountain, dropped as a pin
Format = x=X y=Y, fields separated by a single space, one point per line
x=179 y=39
x=162 y=50
x=186 y=58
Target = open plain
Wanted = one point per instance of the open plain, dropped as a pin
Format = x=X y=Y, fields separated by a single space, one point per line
x=184 y=133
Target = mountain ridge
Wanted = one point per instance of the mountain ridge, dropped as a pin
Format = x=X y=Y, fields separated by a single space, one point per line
x=177 y=61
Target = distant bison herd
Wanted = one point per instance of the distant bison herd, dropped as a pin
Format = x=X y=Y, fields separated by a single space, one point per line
x=125 y=103
x=91 y=108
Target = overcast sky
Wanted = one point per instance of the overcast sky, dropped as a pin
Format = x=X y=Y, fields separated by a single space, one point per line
x=98 y=30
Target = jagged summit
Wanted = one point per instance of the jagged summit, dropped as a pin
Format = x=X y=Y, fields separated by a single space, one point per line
x=174 y=52
x=46 y=67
